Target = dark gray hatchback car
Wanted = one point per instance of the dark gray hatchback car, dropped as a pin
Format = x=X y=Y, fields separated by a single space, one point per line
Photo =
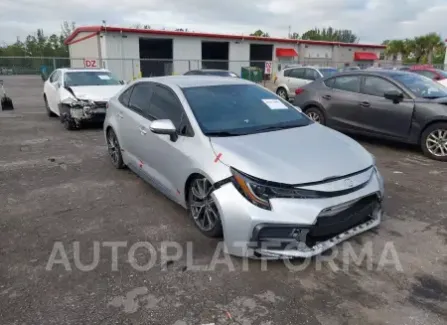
x=396 y=105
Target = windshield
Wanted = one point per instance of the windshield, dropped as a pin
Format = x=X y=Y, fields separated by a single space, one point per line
x=228 y=110
x=421 y=86
x=90 y=78
x=328 y=72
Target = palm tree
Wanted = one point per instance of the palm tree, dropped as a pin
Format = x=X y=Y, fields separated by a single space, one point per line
x=433 y=43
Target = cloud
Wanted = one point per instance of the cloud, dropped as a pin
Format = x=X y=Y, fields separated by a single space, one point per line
x=372 y=20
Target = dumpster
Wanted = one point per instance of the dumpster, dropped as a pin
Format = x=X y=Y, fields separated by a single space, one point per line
x=252 y=73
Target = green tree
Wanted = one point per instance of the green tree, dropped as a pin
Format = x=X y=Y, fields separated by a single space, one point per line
x=330 y=34
x=260 y=33
x=294 y=36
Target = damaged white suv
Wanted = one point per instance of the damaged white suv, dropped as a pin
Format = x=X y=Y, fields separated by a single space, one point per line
x=78 y=96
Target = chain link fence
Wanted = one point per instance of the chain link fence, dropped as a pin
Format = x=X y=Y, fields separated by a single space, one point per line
x=129 y=69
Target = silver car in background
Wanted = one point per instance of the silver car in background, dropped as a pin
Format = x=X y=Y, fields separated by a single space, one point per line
x=245 y=164
x=290 y=79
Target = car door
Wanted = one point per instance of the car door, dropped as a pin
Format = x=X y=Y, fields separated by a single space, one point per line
x=131 y=118
x=51 y=90
x=342 y=102
x=167 y=158
x=381 y=115
x=296 y=80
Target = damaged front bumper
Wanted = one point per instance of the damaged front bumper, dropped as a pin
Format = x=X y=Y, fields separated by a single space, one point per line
x=83 y=111
x=297 y=228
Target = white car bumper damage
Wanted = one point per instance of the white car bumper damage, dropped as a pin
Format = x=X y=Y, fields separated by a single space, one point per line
x=297 y=228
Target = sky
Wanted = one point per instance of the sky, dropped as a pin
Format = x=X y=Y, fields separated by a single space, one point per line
x=371 y=20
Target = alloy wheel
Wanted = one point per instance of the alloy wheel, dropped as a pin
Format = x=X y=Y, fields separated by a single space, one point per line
x=282 y=93
x=437 y=143
x=113 y=147
x=202 y=206
x=314 y=116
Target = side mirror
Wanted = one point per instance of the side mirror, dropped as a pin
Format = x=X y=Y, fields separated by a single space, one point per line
x=164 y=127
x=394 y=95
x=437 y=78
x=122 y=82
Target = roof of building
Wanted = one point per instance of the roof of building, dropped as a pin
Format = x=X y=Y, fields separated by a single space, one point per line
x=98 y=29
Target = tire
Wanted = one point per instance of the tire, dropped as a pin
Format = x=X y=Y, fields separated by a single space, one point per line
x=114 y=149
x=197 y=197
x=434 y=141
x=282 y=92
x=69 y=124
x=47 y=107
x=315 y=114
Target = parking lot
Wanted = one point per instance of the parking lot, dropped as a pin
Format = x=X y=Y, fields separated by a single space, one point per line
x=58 y=186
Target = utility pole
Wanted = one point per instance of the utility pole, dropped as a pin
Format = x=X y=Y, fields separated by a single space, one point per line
x=290 y=31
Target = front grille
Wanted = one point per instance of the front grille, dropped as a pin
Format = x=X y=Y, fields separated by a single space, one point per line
x=101 y=104
x=359 y=212
x=326 y=227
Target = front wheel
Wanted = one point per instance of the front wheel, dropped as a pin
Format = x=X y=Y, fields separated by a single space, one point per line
x=434 y=141
x=202 y=208
x=315 y=114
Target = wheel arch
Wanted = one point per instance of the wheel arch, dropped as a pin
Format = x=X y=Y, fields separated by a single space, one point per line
x=188 y=182
x=430 y=123
x=316 y=105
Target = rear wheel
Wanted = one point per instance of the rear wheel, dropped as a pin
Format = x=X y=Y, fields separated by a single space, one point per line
x=47 y=107
x=114 y=149
x=202 y=208
x=434 y=141
x=315 y=114
x=281 y=92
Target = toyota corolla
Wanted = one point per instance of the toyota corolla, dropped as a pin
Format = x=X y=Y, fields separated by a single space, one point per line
x=246 y=164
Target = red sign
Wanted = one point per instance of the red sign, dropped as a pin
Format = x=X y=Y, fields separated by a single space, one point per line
x=89 y=63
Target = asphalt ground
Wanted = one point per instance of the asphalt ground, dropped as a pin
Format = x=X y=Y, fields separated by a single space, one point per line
x=58 y=187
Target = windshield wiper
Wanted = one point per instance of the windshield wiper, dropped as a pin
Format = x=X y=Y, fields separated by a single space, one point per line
x=275 y=128
x=223 y=134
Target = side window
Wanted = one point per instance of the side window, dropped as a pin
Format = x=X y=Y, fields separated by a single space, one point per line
x=347 y=83
x=329 y=82
x=165 y=105
x=125 y=97
x=287 y=72
x=311 y=74
x=376 y=86
x=297 y=73
x=140 y=97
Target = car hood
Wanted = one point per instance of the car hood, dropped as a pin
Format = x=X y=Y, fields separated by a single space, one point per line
x=293 y=156
x=96 y=93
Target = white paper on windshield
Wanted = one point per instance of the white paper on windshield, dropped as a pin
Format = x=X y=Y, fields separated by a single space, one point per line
x=274 y=104
x=104 y=77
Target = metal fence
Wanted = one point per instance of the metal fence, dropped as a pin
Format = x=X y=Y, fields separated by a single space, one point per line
x=128 y=69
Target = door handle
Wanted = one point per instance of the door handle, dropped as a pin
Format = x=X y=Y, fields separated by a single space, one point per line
x=365 y=104
x=143 y=130
x=328 y=97
x=120 y=115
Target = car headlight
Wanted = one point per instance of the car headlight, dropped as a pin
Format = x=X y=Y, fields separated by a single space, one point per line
x=74 y=102
x=260 y=192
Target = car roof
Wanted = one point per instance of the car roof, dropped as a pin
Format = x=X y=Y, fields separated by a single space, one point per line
x=196 y=81
x=378 y=72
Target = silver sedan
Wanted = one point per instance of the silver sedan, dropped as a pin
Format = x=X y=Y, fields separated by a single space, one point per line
x=246 y=164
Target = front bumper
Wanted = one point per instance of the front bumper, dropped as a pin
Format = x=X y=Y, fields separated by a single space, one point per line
x=296 y=227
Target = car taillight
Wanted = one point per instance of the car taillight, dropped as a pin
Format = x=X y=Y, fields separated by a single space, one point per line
x=299 y=91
